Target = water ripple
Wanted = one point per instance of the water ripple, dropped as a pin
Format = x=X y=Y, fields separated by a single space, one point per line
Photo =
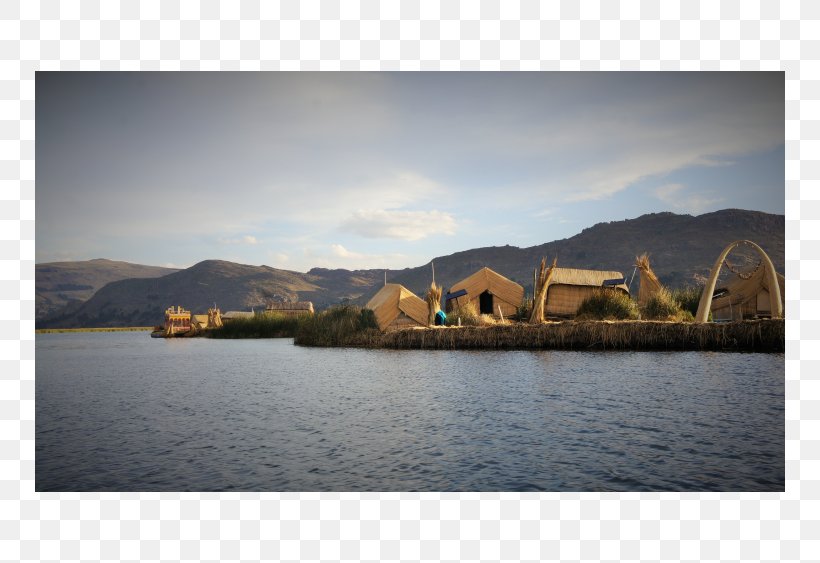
x=120 y=411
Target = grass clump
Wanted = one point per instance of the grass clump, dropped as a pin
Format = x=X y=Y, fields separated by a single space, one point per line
x=663 y=306
x=688 y=298
x=344 y=325
x=338 y=326
x=607 y=304
x=469 y=315
x=260 y=326
x=523 y=311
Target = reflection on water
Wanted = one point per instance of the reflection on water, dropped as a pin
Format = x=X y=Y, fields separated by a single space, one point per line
x=122 y=411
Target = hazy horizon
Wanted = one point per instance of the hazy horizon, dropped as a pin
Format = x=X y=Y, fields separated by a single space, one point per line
x=218 y=258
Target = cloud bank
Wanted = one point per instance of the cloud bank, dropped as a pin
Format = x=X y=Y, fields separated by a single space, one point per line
x=404 y=225
x=435 y=162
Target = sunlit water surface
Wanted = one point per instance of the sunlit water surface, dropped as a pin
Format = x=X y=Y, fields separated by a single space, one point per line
x=123 y=411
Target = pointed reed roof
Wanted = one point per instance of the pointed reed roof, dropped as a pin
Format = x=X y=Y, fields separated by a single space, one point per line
x=394 y=299
x=488 y=280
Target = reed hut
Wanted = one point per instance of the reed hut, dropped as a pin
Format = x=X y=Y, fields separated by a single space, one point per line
x=570 y=286
x=233 y=315
x=745 y=297
x=288 y=309
x=490 y=291
x=204 y=322
x=396 y=307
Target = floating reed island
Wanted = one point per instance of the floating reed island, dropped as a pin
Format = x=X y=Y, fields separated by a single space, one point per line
x=764 y=335
x=490 y=312
x=570 y=309
x=354 y=327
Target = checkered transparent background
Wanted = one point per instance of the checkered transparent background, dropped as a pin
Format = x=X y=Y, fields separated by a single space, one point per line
x=373 y=35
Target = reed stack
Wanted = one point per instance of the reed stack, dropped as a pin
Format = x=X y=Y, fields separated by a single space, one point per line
x=650 y=284
x=433 y=299
x=542 y=282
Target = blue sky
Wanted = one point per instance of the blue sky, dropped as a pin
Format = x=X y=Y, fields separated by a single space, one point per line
x=387 y=170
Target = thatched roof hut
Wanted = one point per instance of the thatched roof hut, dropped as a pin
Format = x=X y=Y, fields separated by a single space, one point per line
x=290 y=308
x=490 y=291
x=395 y=307
x=745 y=298
x=570 y=286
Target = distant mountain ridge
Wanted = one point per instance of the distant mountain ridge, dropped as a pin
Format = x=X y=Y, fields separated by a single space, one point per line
x=680 y=246
x=59 y=284
x=230 y=286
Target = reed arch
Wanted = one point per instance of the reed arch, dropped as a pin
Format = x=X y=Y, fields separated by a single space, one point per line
x=705 y=303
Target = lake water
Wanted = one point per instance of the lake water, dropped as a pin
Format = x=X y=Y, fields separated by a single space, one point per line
x=125 y=412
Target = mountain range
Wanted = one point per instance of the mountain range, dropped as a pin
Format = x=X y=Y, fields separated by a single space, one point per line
x=105 y=293
x=59 y=284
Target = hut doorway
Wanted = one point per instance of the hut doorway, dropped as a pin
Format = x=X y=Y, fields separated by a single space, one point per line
x=485 y=303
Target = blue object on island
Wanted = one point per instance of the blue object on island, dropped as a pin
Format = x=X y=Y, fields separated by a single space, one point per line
x=614 y=281
x=440 y=318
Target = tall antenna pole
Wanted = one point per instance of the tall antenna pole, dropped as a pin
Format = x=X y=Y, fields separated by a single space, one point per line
x=433 y=265
x=385 y=277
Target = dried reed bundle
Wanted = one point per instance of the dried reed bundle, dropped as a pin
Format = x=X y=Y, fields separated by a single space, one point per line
x=465 y=314
x=542 y=282
x=650 y=284
x=433 y=302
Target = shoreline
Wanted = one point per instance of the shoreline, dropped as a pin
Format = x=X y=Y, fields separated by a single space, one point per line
x=95 y=329
x=765 y=335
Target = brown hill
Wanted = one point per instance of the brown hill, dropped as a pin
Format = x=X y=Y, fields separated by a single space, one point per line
x=61 y=283
x=680 y=247
x=142 y=302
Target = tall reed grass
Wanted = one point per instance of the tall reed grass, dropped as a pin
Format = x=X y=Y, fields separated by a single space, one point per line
x=345 y=325
x=688 y=298
x=260 y=326
x=607 y=304
x=663 y=306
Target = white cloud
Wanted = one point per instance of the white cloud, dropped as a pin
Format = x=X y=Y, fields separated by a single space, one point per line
x=384 y=189
x=675 y=195
x=405 y=225
x=337 y=256
x=546 y=212
x=617 y=174
x=247 y=240
x=300 y=155
x=278 y=258
x=666 y=193
x=342 y=252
